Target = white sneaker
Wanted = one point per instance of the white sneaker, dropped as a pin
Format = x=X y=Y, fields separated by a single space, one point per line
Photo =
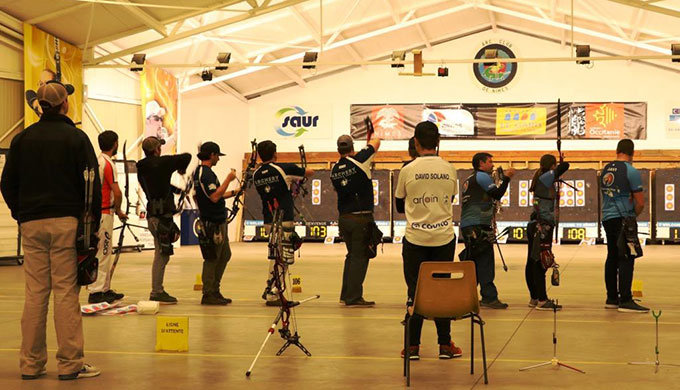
x=87 y=371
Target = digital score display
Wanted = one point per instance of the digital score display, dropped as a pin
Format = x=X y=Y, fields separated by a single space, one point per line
x=261 y=233
x=574 y=233
x=674 y=233
x=316 y=231
x=517 y=233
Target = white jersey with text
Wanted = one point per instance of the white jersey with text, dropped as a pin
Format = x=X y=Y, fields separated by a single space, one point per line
x=428 y=185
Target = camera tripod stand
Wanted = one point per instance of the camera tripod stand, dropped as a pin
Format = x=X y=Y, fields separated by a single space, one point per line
x=656 y=362
x=555 y=362
x=277 y=283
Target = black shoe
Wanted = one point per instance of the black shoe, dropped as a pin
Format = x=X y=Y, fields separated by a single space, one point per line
x=28 y=377
x=212 y=299
x=163 y=298
x=361 y=302
x=548 y=306
x=611 y=304
x=112 y=296
x=632 y=307
x=98 y=297
x=495 y=304
x=222 y=298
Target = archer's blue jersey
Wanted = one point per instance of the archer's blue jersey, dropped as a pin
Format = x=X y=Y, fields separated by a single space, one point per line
x=620 y=180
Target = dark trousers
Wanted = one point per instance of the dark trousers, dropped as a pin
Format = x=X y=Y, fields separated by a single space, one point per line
x=413 y=255
x=213 y=269
x=481 y=252
x=533 y=271
x=354 y=231
x=618 y=269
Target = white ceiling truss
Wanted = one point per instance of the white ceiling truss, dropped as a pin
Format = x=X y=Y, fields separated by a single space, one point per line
x=268 y=38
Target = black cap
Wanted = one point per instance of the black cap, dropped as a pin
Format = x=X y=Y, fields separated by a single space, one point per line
x=208 y=148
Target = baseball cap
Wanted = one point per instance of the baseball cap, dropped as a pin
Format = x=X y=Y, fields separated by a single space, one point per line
x=345 y=141
x=53 y=93
x=207 y=148
x=151 y=143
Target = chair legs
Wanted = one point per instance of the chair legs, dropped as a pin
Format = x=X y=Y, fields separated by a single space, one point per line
x=407 y=354
x=472 y=345
x=481 y=333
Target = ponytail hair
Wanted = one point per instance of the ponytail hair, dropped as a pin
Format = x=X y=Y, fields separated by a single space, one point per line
x=547 y=161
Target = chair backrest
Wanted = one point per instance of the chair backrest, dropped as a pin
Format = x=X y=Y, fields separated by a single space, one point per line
x=446 y=289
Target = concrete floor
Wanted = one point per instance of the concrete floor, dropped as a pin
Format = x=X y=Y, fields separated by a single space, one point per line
x=359 y=348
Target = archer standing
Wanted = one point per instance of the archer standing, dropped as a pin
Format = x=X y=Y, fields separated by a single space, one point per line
x=154 y=172
x=425 y=192
x=210 y=197
x=351 y=178
x=412 y=152
x=540 y=230
x=273 y=181
x=623 y=201
x=112 y=198
x=44 y=187
x=479 y=193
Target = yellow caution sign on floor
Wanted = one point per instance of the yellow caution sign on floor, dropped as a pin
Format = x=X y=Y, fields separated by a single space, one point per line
x=172 y=334
x=198 y=286
x=637 y=288
x=297 y=283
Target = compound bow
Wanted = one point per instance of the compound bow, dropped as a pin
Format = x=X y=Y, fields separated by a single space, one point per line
x=558 y=183
x=245 y=183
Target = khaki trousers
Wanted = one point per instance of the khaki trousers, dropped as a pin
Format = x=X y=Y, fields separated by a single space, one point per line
x=50 y=265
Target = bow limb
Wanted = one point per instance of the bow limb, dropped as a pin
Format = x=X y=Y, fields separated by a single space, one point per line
x=561 y=159
x=246 y=181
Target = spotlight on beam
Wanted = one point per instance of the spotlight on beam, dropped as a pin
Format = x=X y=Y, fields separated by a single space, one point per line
x=582 y=51
x=223 y=58
x=490 y=54
x=310 y=56
x=138 y=59
x=675 y=50
x=398 y=56
x=206 y=75
x=443 y=71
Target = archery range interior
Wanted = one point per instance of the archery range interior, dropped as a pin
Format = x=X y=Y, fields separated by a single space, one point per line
x=488 y=73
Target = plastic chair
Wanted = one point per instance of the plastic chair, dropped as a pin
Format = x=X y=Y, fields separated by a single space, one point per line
x=447 y=290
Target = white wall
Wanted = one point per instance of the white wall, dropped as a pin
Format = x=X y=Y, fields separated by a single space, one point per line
x=207 y=114
x=541 y=82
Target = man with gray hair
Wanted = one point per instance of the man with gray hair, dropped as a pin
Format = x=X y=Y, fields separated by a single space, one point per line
x=351 y=178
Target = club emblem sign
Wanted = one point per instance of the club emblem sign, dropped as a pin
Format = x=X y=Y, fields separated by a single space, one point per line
x=495 y=75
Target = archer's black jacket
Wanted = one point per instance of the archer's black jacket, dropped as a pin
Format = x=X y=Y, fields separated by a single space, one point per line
x=43 y=174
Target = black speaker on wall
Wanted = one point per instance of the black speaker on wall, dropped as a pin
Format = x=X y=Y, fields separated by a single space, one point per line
x=675 y=50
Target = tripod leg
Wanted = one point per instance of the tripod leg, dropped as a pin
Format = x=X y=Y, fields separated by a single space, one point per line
x=570 y=367
x=536 y=366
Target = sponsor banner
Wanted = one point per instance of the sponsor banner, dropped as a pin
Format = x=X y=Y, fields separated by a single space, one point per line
x=504 y=120
x=451 y=122
x=46 y=58
x=294 y=122
x=673 y=124
x=159 y=107
x=604 y=121
x=520 y=121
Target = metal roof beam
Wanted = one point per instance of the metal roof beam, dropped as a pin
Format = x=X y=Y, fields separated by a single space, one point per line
x=349 y=41
x=648 y=7
x=145 y=18
x=209 y=27
x=215 y=7
x=580 y=30
x=56 y=14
